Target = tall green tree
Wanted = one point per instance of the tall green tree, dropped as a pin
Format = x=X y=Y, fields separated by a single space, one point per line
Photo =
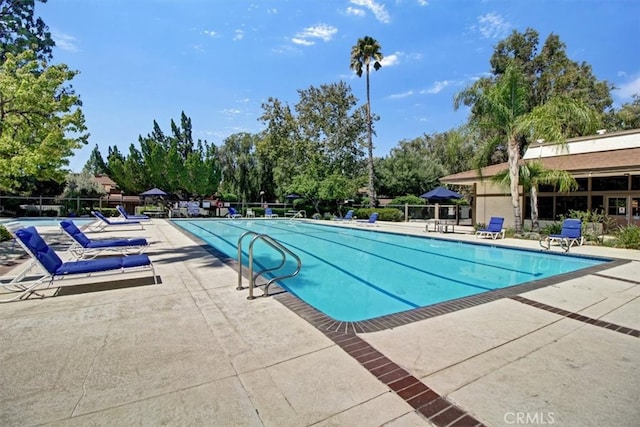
x=20 y=30
x=502 y=109
x=96 y=164
x=364 y=54
x=239 y=164
x=409 y=169
x=323 y=135
x=531 y=176
x=626 y=117
x=41 y=123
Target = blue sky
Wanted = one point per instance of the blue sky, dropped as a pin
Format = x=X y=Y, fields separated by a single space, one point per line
x=219 y=60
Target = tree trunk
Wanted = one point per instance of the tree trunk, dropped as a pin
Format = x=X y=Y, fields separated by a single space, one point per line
x=372 y=190
x=514 y=155
x=535 y=224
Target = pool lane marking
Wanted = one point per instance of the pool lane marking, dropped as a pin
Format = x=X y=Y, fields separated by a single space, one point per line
x=358 y=279
x=422 y=250
x=367 y=283
x=410 y=266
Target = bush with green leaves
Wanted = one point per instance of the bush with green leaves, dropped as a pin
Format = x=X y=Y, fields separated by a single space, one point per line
x=628 y=237
x=4 y=234
x=384 y=214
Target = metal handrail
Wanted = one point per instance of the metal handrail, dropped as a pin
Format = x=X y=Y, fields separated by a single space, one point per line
x=253 y=277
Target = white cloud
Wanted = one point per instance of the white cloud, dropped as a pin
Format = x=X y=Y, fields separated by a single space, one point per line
x=401 y=95
x=210 y=33
x=379 y=11
x=354 y=11
x=438 y=87
x=423 y=2
x=492 y=26
x=307 y=36
x=627 y=90
x=303 y=42
x=239 y=35
x=391 y=60
x=64 y=41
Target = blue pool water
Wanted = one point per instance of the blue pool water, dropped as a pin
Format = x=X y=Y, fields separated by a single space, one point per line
x=46 y=222
x=356 y=274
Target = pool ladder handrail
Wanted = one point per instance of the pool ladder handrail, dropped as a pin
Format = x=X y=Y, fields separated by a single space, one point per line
x=283 y=250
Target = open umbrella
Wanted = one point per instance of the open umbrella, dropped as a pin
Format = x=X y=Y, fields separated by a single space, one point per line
x=154 y=192
x=441 y=193
x=292 y=196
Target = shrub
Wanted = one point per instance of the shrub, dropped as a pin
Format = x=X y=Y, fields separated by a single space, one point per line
x=384 y=214
x=316 y=216
x=4 y=234
x=628 y=237
x=554 y=228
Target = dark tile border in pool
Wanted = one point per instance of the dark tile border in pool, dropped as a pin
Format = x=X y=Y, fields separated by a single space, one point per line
x=579 y=317
x=326 y=323
x=436 y=408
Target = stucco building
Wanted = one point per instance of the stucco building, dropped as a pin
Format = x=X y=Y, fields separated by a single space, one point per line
x=606 y=167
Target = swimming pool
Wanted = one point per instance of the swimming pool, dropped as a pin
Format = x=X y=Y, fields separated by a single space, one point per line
x=46 y=221
x=355 y=274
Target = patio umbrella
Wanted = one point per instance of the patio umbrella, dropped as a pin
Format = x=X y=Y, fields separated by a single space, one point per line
x=154 y=192
x=292 y=196
x=441 y=193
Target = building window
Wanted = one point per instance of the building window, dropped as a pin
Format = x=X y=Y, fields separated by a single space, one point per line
x=566 y=203
x=597 y=204
x=635 y=182
x=617 y=206
x=582 y=184
x=545 y=208
x=610 y=183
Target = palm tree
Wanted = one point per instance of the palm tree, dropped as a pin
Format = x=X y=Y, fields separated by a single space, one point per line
x=501 y=108
x=531 y=175
x=365 y=52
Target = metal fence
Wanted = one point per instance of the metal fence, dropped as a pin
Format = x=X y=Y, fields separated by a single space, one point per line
x=41 y=206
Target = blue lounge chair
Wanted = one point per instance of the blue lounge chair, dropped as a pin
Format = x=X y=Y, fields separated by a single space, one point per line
x=54 y=269
x=570 y=235
x=347 y=217
x=268 y=213
x=233 y=213
x=371 y=222
x=125 y=215
x=85 y=247
x=494 y=228
x=103 y=222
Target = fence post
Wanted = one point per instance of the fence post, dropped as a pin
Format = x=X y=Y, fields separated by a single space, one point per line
x=406 y=212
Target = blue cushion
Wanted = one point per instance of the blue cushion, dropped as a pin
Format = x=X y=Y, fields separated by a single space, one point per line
x=37 y=246
x=116 y=242
x=102 y=264
x=75 y=232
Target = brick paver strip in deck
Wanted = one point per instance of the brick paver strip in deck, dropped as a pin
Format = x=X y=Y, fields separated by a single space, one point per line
x=579 y=317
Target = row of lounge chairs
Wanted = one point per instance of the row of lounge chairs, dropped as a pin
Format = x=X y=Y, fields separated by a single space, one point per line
x=570 y=234
x=87 y=257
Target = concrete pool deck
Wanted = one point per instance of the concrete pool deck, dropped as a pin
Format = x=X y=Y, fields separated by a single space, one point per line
x=193 y=350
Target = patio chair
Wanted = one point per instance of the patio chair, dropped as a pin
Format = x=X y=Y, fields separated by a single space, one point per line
x=84 y=247
x=54 y=269
x=125 y=215
x=233 y=213
x=570 y=235
x=494 y=229
x=347 y=217
x=371 y=222
x=268 y=213
x=103 y=223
